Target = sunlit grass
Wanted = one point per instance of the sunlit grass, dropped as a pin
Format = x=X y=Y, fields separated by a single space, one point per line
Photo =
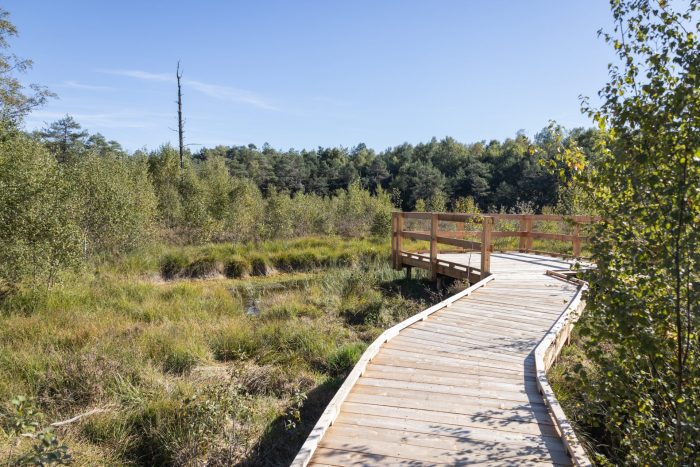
x=176 y=362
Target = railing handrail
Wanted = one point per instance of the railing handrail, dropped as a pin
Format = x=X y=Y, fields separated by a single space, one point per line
x=487 y=233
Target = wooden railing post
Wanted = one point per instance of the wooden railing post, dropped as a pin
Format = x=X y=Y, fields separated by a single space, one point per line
x=394 y=234
x=576 y=241
x=433 y=245
x=397 y=239
x=525 y=241
x=487 y=226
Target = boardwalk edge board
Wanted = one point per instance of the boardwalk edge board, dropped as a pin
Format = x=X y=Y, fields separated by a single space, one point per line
x=333 y=409
x=546 y=353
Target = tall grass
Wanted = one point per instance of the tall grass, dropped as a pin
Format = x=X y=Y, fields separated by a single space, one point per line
x=184 y=370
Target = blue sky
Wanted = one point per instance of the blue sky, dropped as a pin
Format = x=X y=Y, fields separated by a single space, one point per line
x=307 y=73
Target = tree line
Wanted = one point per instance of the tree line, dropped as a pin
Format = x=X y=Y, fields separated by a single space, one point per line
x=495 y=174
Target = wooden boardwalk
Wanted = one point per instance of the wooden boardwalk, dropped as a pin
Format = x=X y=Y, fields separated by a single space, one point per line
x=459 y=386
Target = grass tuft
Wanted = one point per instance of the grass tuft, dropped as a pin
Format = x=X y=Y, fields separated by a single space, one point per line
x=341 y=361
x=237 y=267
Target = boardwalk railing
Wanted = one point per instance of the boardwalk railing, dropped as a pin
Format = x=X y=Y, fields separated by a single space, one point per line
x=485 y=231
x=441 y=228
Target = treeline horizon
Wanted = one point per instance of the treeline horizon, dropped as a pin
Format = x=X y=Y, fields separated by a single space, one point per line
x=437 y=175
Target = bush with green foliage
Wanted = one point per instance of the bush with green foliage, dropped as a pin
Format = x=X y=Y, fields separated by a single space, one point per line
x=38 y=229
x=116 y=203
x=641 y=328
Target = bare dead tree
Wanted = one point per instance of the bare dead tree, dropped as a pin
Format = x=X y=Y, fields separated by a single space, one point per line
x=180 y=129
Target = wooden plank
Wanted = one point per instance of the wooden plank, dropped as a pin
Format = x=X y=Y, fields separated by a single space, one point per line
x=394 y=235
x=481 y=350
x=511 y=316
x=453 y=272
x=466 y=244
x=483 y=356
x=450 y=379
x=475 y=363
x=458 y=378
x=544 y=308
x=551 y=344
x=525 y=227
x=475 y=409
x=507 y=323
x=516 y=303
x=415 y=235
x=399 y=238
x=415 y=263
x=513 y=346
x=353 y=458
x=530 y=291
x=430 y=448
x=442 y=430
x=448 y=418
x=485 y=328
x=576 y=242
x=475 y=334
x=464 y=347
x=416 y=215
x=345 y=457
x=459 y=217
x=544 y=305
x=412 y=361
x=547 y=217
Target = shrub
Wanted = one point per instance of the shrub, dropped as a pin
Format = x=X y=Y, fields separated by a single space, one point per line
x=244 y=223
x=38 y=234
x=115 y=201
x=164 y=170
x=179 y=431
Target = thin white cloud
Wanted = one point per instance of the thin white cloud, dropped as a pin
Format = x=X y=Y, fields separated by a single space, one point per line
x=97 y=120
x=87 y=87
x=227 y=93
x=138 y=74
x=224 y=93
